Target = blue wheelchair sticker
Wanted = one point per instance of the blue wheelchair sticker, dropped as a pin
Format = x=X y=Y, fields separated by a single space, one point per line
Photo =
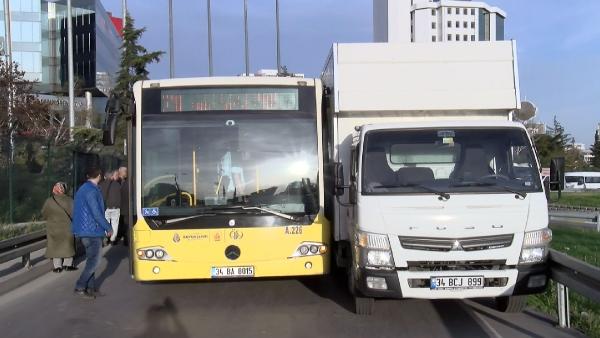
x=150 y=212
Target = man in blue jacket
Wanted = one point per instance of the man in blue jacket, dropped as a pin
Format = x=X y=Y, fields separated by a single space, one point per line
x=91 y=227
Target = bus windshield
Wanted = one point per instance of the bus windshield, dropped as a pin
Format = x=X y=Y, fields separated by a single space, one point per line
x=199 y=162
x=444 y=161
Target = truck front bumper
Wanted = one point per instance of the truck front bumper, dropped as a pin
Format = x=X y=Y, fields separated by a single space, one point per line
x=521 y=280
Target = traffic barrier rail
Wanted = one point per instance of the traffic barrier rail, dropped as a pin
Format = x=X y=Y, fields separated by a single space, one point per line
x=22 y=246
x=579 y=215
x=571 y=273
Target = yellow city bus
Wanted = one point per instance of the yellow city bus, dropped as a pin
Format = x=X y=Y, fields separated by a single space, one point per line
x=228 y=179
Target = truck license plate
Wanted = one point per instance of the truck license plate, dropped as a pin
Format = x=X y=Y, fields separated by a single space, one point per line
x=231 y=271
x=456 y=282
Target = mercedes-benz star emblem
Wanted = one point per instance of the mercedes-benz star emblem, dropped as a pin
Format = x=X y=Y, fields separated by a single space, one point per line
x=456 y=246
x=232 y=252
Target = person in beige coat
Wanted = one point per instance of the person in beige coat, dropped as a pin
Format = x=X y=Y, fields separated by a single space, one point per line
x=58 y=211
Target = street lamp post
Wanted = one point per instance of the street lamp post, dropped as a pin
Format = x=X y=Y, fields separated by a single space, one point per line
x=70 y=66
x=277 y=30
x=124 y=9
x=246 y=37
x=171 y=46
x=210 y=60
x=11 y=134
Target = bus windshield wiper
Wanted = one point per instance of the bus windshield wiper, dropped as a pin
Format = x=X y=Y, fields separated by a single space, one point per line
x=263 y=209
x=442 y=194
x=522 y=194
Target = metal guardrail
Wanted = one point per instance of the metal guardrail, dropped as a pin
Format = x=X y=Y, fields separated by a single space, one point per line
x=578 y=215
x=572 y=273
x=22 y=246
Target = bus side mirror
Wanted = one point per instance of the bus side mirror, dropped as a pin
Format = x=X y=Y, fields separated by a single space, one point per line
x=109 y=130
x=339 y=179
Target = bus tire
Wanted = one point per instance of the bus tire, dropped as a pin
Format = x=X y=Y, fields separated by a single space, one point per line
x=363 y=306
x=511 y=303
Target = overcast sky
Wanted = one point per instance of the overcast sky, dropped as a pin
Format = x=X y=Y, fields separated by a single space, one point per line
x=558 y=44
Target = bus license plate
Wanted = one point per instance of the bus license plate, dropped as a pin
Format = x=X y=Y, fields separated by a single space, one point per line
x=456 y=282
x=231 y=271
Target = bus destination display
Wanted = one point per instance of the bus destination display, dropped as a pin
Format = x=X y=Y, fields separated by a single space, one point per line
x=207 y=99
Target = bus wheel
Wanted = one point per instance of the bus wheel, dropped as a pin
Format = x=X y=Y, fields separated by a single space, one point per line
x=364 y=305
x=511 y=303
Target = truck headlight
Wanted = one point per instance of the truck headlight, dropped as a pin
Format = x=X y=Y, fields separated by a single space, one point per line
x=373 y=250
x=535 y=246
x=379 y=258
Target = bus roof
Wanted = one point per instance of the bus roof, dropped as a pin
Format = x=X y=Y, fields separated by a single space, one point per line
x=228 y=81
x=584 y=173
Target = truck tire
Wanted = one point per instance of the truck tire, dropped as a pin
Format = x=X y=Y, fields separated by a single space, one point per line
x=363 y=306
x=511 y=303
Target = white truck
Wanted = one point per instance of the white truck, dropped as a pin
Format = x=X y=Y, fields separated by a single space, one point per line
x=436 y=193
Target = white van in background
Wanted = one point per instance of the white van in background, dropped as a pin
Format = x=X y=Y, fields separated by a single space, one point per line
x=582 y=180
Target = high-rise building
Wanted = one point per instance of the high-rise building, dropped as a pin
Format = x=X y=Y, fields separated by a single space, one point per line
x=436 y=21
x=39 y=44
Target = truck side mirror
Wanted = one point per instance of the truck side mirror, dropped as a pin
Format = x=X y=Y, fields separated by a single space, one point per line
x=557 y=173
x=339 y=179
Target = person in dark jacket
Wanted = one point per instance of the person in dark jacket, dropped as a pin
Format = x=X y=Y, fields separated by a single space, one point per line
x=91 y=227
x=111 y=194
x=124 y=219
x=57 y=211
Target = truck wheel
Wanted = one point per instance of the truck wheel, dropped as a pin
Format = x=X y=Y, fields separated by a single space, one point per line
x=511 y=303
x=363 y=306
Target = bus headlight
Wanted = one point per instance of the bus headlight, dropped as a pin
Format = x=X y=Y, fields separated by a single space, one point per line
x=373 y=250
x=156 y=253
x=535 y=246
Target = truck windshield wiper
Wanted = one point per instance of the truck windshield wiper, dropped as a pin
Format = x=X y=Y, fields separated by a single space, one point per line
x=442 y=194
x=522 y=194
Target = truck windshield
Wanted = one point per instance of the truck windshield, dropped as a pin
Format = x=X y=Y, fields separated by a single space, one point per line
x=211 y=162
x=449 y=160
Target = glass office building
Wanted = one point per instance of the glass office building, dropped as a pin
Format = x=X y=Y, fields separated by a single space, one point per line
x=39 y=36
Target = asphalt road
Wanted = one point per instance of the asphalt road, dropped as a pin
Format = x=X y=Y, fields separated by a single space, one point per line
x=316 y=307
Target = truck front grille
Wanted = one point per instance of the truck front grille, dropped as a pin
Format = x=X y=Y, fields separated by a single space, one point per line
x=456 y=265
x=457 y=244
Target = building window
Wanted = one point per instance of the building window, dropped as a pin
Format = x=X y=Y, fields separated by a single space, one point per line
x=457 y=10
x=449 y=37
x=484 y=25
x=433 y=25
x=472 y=24
x=472 y=37
x=465 y=37
x=433 y=12
x=465 y=11
x=433 y=38
x=499 y=28
x=457 y=37
x=449 y=10
x=465 y=24
x=457 y=24
x=472 y=11
x=450 y=24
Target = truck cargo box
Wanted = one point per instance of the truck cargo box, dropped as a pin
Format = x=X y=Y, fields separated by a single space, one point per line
x=436 y=79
